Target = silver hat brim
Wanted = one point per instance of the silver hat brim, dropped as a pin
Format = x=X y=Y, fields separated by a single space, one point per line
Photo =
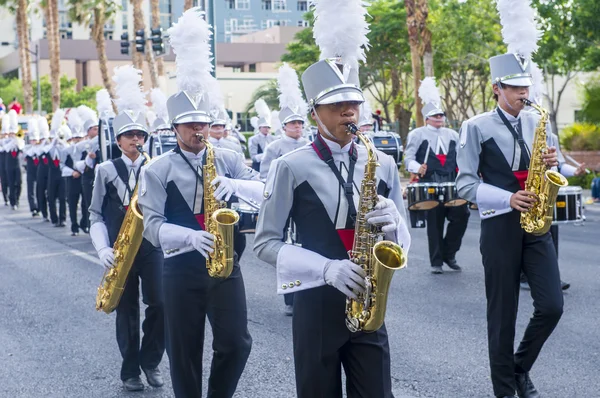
x=130 y=127
x=293 y=118
x=517 y=81
x=219 y=122
x=347 y=95
x=192 y=117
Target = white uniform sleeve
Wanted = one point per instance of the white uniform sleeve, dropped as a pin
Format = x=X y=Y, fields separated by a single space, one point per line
x=152 y=199
x=410 y=152
x=402 y=235
x=269 y=156
x=98 y=194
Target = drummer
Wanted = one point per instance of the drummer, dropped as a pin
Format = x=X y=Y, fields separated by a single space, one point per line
x=431 y=155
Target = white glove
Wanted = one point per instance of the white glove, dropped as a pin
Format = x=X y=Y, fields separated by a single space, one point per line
x=385 y=214
x=107 y=256
x=259 y=157
x=345 y=276
x=226 y=188
x=202 y=241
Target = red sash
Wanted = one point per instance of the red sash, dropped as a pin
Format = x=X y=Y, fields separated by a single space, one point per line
x=14 y=154
x=36 y=161
x=56 y=162
x=521 y=177
x=442 y=159
x=45 y=160
x=200 y=219
x=347 y=238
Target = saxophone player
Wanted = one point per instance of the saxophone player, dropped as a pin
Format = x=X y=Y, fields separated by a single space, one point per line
x=114 y=184
x=172 y=198
x=497 y=145
x=319 y=186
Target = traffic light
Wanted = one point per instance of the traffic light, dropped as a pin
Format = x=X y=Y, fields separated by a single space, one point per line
x=140 y=41
x=125 y=43
x=157 y=41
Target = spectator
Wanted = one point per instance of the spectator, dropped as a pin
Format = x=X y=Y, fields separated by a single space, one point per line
x=2 y=107
x=596 y=189
x=15 y=105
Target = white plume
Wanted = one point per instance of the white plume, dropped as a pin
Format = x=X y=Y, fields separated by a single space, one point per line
x=340 y=29
x=215 y=95
x=5 y=123
x=519 y=28
x=86 y=113
x=275 y=123
x=289 y=90
x=43 y=127
x=159 y=104
x=104 y=103
x=14 y=121
x=150 y=117
x=74 y=120
x=254 y=122
x=128 y=89
x=190 y=40
x=32 y=127
x=538 y=90
x=366 y=112
x=262 y=109
x=57 y=120
x=428 y=91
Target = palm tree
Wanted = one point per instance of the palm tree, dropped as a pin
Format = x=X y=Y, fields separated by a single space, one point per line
x=188 y=4
x=412 y=23
x=24 y=54
x=155 y=11
x=50 y=8
x=268 y=92
x=138 y=24
x=103 y=11
x=425 y=33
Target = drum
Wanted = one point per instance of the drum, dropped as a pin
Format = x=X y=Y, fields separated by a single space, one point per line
x=448 y=195
x=569 y=206
x=248 y=217
x=388 y=143
x=422 y=195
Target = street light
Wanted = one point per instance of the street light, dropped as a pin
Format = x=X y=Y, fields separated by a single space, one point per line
x=37 y=71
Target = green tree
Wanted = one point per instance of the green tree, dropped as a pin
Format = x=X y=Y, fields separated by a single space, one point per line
x=302 y=51
x=590 y=110
x=70 y=97
x=267 y=92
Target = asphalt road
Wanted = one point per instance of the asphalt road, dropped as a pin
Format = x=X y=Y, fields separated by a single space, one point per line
x=54 y=344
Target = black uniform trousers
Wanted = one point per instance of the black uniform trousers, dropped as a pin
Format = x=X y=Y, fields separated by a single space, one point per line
x=323 y=344
x=87 y=187
x=147 y=267
x=74 y=192
x=31 y=186
x=42 y=188
x=506 y=250
x=13 y=173
x=191 y=295
x=56 y=191
x=442 y=247
x=3 y=177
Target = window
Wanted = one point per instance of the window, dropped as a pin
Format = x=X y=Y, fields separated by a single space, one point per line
x=302 y=5
x=267 y=4
x=108 y=35
x=66 y=35
x=303 y=24
x=236 y=69
x=279 y=5
x=124 y=19
x=165 y=13
x=242 y=4
x=252 y=68
x=230 y=4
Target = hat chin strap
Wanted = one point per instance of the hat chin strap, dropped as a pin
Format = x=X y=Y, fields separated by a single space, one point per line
x=180 y=138
x=323 y=127
x=504 y=96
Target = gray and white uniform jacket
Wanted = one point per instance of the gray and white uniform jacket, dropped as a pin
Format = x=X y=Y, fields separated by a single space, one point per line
x=301 y=185
x=492 y=165
x=277 y=149
x=227 y=144
x=434 y=147
x=258 y=144
x=172 y=193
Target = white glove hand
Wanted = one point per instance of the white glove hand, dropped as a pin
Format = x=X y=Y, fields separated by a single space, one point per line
x=226 y=188
x=259 y=157
x=385 y=214
x=107 y=256
x=202 y=241
x=345 y=276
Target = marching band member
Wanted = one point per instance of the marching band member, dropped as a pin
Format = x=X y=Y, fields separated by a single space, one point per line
x=302 y=184
x=172 y=202
x=291 y=115
x=13 y=147
x=73 y=176
x=431 y=153
x=217 y=133
x=497 y=145
x=32 y=161
x=232 y=136
x=43 y=169
x=56 y=184
x=258 y=142
x=115 y=182
x=3 y=139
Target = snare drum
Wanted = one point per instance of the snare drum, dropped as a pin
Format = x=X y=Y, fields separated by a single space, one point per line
x=248 y=217
x=422 y=195
x=569 y=206
x=448 y=195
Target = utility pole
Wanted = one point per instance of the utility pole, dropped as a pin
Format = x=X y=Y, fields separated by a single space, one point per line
x=209 y=8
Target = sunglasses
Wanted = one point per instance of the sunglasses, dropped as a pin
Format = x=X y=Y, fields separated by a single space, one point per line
x=131 y=134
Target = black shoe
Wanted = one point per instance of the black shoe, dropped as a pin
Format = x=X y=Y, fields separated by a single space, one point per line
x=525 y=388
x=508 y=396
x=453 y=264
x=154 y=377
x=525 y=286
x=85 y=230
x=564 y=285
x=289 y=310
x=5 y=203
x=61 y=224
x=74 y=233
x=35 y=213
x=133 y=384
x=46 y=219
x=15 y=207
x=437 y=269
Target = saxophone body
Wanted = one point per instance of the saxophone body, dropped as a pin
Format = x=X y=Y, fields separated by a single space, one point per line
x=218 y=220
x=542 y=181
x=126 y=247
x=378 y=258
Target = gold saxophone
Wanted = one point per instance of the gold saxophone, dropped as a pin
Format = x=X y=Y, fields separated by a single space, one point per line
x=125 y=248
x=379 y=258
x=541 y=181
x=218 y=220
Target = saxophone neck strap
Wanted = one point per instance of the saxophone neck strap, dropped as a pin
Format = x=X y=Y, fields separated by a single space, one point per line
x=517 y=135
x=124 y=174
x=187 y=161
x=325 y=155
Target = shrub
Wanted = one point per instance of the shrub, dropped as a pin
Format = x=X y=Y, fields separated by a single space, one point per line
x=581 y=137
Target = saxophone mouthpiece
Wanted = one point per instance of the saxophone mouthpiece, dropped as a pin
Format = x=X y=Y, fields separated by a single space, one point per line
x=351 y=128
x=139 y=148
x=526 y=101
